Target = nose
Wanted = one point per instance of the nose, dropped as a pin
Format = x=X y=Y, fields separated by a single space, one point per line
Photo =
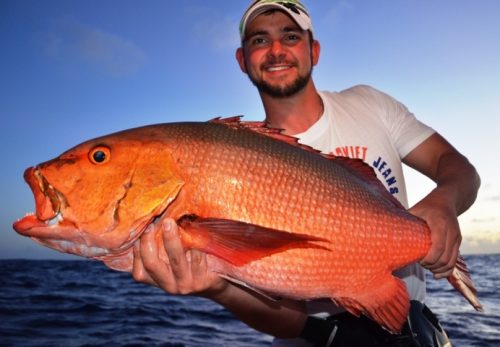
x=276 y=49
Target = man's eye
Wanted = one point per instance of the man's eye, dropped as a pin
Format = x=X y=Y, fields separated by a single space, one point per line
x=258 y=41
x=292 y=38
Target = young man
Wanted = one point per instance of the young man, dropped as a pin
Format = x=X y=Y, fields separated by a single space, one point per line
x=278 y=53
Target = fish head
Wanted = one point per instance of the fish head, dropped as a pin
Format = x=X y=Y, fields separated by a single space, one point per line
x=97 y=198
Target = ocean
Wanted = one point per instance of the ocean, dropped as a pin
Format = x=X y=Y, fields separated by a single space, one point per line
x=83 y=303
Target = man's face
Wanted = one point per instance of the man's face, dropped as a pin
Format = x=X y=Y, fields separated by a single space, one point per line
x=277 y=54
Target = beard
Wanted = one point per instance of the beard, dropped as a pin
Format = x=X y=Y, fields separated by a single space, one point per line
x=278 y=91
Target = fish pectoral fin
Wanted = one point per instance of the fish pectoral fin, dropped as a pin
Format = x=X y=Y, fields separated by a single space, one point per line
x=238 y=242
x=385 y=300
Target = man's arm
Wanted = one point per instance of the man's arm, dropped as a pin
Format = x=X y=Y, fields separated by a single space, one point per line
x=457 y=183
x=160 y=260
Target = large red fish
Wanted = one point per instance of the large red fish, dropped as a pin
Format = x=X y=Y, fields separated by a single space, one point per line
x=271 y=213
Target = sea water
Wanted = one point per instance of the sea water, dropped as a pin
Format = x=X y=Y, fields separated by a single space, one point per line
x=83 y=303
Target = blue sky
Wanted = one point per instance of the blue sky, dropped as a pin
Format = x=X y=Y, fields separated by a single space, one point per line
x=74 y=70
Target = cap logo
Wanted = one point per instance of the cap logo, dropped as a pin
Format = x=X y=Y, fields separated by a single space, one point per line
x=293 y=8
x=290 y=6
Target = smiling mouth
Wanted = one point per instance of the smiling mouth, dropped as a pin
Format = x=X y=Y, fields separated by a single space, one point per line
x=278 y=68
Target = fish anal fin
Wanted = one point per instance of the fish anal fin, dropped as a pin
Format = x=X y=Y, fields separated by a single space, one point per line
x=460 y=279
x=240 y=243
x=388 y=303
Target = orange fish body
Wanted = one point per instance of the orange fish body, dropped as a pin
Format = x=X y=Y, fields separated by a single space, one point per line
x=273 y=214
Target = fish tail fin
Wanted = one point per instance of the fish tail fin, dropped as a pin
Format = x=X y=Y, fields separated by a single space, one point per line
x=387 y=303
x=240 y=243
x=460 y=279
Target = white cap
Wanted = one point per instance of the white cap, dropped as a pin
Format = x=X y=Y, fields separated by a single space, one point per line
x=293 y=8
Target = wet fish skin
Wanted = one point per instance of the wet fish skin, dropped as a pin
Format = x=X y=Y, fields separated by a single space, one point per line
x=271 y=213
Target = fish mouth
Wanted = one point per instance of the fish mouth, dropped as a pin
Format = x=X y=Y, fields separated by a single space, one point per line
x=46 y=198
x=47 y=226
x=48 y=202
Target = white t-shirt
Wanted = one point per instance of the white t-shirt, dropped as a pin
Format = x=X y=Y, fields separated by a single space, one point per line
x=362 y=122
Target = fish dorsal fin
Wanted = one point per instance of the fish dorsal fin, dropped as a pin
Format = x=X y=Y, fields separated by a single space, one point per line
x=366 y=173
x=240 y=243
x=264 y=129
x=357 y=167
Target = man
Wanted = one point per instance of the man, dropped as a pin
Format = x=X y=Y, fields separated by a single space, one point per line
x=278 y=52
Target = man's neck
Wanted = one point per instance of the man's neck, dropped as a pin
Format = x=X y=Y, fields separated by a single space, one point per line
x=294 y=114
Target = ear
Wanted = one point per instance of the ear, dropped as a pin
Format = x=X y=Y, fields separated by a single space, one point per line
x=240 y=57
x=315 y=50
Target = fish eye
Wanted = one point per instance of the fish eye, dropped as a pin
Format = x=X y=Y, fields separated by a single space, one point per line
x=99 y=155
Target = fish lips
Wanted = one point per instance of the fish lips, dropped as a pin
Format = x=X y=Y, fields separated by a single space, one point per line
x=64 y=238
x=46 y=197
x=47 y=202
x=46 y=226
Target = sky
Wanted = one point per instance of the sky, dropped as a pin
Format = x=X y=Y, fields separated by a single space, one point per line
x=74 y=70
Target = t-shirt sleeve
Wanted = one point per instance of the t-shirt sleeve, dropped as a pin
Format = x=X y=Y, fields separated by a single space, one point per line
x=405 y=130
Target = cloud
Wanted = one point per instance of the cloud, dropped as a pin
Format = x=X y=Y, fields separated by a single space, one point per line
x=72 y=41
x=492 y=198
x=335 y=13
x=219 y=31
x=484 y=220
x=481 y=242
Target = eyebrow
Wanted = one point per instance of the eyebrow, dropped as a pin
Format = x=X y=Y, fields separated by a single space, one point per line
x=287 y=29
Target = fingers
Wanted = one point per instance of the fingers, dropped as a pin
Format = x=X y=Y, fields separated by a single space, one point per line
x=155 y=262
x=442 y=256
x=139 y=273
x=179 y=265
x=448 y=265
x=160 y=260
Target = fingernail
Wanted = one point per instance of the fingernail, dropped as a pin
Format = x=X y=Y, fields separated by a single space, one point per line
x=167 y=225
x=149 y=229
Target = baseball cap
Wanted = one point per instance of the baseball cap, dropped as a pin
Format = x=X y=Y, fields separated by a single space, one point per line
x=293 y=8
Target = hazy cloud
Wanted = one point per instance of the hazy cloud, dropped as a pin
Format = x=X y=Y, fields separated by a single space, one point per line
x=336 y=12
x=487 y=241
x=217 y=30
x=70 y=40
x=484 y=220
x=492 y=198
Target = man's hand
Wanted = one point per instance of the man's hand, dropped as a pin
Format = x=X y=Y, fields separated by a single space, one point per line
x=445 y=234
x=160 y=260
x=457 y=183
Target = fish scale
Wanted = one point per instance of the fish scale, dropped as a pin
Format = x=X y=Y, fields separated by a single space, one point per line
x=270 y=213
x=288 y=174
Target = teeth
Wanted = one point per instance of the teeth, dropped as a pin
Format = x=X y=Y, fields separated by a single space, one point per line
x=55 y=220
x=277 y=68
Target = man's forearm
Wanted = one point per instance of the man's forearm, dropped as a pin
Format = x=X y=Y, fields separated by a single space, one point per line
x=281 y=318
x=460 y=188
